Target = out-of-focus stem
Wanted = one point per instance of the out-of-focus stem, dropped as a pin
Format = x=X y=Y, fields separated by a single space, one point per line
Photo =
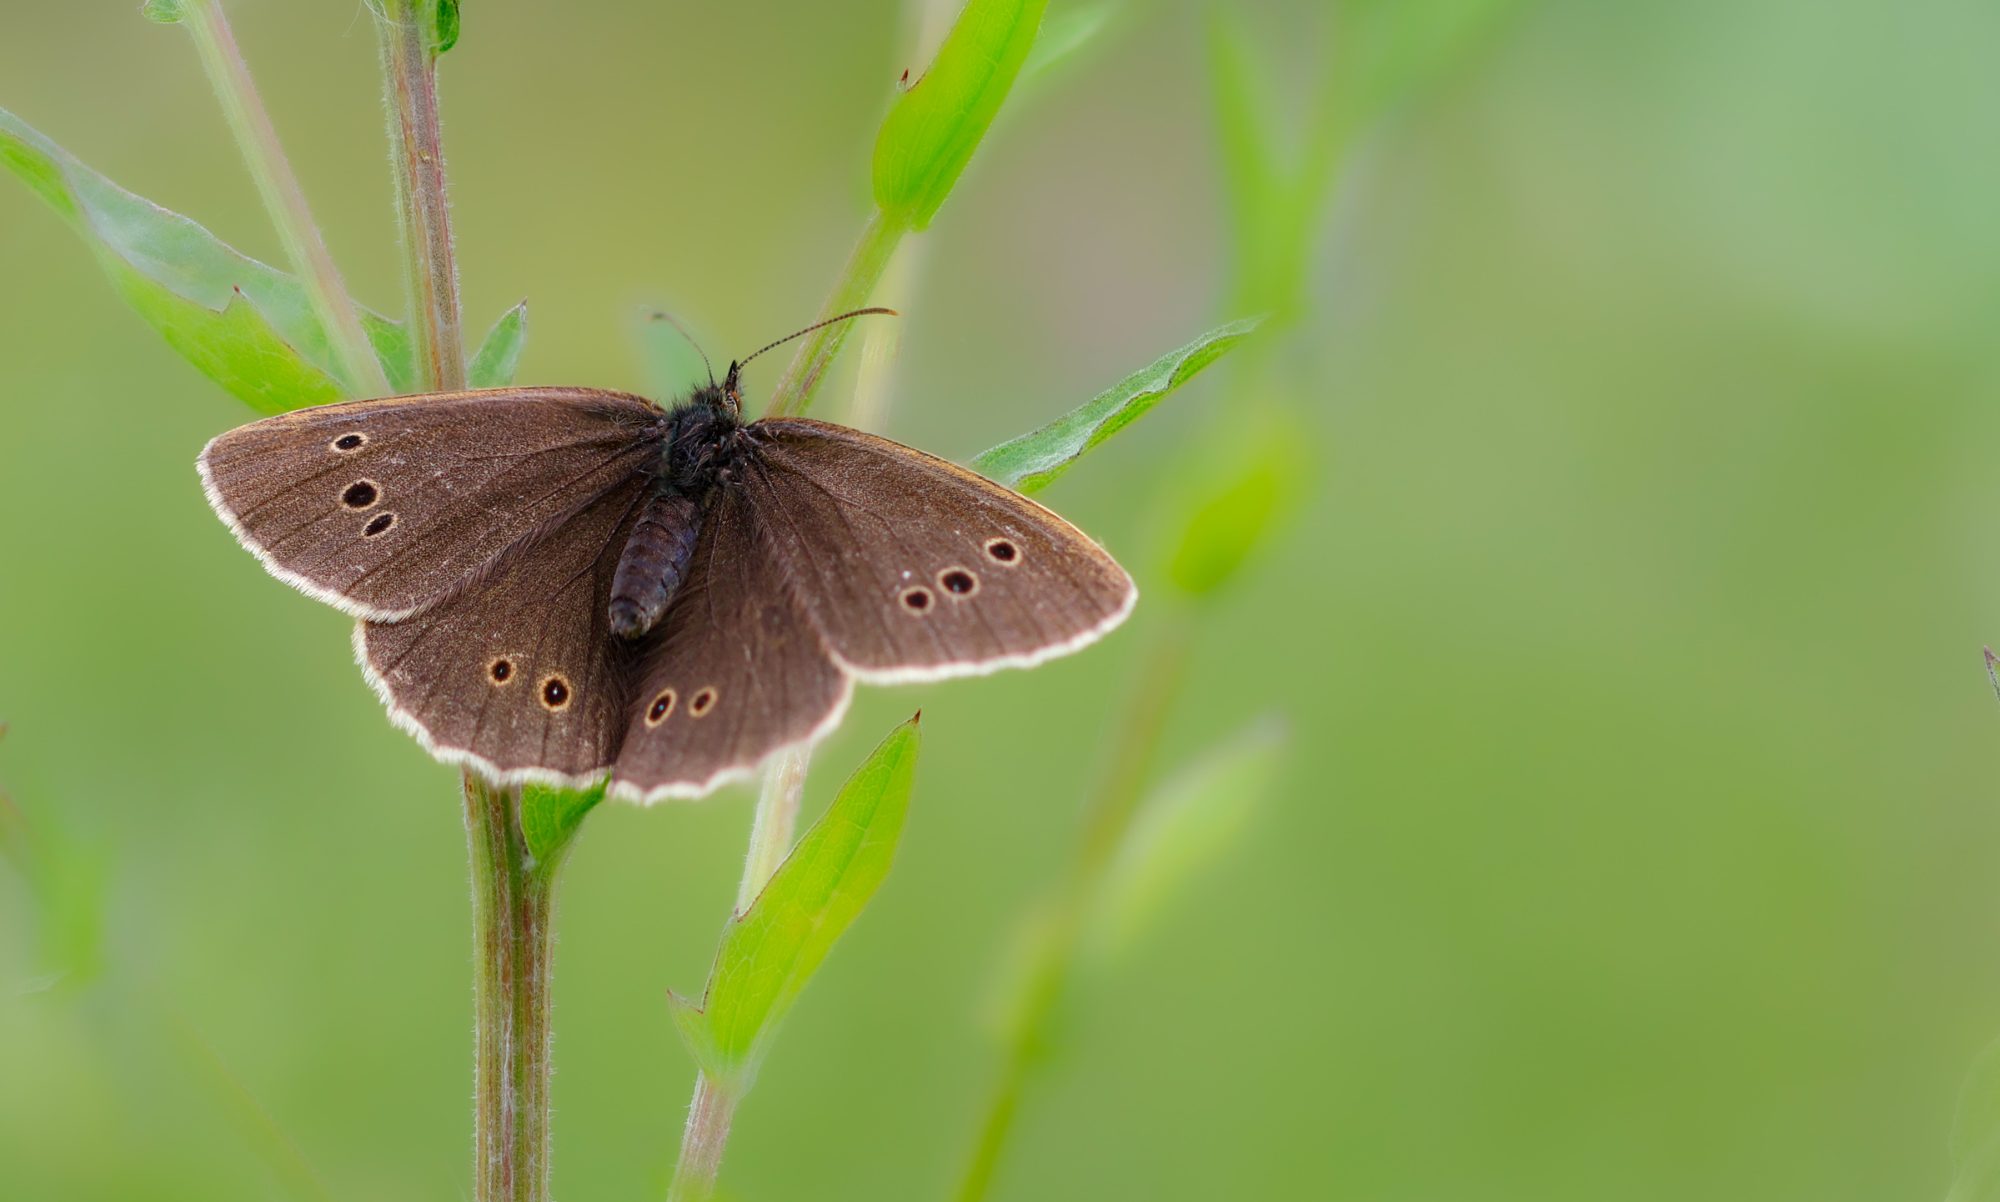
x=807 y=370
x=305 y=248
x=771 y=830
x=409 y=72
x=776 y=819
x=1163 y=671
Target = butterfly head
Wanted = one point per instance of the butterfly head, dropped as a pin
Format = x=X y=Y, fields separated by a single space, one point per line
x=724 y=399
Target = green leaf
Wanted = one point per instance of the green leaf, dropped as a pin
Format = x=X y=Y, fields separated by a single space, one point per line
x=247 y=326
x=441 y=14
x=447 y=26
x=1067 y=34
x=930 y=134
x=672 y=362
x=1232 y=498
x=550 y=816
x=1189 y=824
x=769 y=952
x=1030 y=462
x=166 y=12
x=499 y=356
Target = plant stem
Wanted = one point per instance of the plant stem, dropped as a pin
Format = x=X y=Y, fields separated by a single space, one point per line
x=1163 y=671
x=513 y=894
x=707 y=1133
x=283 y=198
x=409 y=72
x=513 y=899
x=714 y=1104
x=807 y=370
x=776 y=819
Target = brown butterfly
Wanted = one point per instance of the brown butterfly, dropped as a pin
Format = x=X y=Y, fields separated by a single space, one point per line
x=559 y=583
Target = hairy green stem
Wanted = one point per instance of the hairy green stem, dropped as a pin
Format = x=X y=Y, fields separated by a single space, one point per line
x=1112 y=805
x=409 y=73
x=513 y=904
x=283 y=197
x=807 y=370
x=714 y=1103
x=513 y=894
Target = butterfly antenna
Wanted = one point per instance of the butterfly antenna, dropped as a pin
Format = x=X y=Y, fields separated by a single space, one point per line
x=814 y=326
x=663 y=315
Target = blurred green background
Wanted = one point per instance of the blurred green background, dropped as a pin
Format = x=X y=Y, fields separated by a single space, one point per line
x=1637 y=838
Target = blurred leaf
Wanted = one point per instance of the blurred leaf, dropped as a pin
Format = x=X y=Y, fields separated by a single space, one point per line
x=247 y=326
x=1975 y=1132
x=166 y=12
x=930 y=134
x=1384 y=51
x=1245 y=124
x=69 y=882
x=769 y=952
x=1190 y=823
x=1030 y=462
x=1066 y=34
x=499 y=356
x=671 y=357
x=1976 y=1120
x=1233 y=499
x=1028 y=972
x=550 y=816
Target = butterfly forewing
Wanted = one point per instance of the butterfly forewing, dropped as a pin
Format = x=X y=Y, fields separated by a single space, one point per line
x=734 y=672
x=518 y=674
x=384 y=508
x=913 y=568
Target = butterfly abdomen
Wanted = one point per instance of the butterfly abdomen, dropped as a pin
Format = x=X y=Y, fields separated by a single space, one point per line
x=654 y=562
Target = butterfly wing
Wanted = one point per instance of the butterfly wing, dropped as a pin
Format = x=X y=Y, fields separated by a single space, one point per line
x=383 y=508
x=734 y=673
x=913 y=568
x=518 y=674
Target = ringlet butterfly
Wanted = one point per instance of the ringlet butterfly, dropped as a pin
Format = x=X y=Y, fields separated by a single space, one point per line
x=558 y=583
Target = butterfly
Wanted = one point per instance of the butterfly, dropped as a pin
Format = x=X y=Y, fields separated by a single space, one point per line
x=565 y=584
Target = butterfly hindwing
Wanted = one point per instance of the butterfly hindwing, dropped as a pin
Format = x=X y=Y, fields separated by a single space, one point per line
x=733 y=673
x=913 y=568
x=383 y=508
x=518 y=674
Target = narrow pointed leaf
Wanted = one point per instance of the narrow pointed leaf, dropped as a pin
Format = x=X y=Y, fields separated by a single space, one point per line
x=499 y=356
x=248 y=326
x=929 y=136
x=769 y=952
x=1030 y=462
x=1189 y=824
